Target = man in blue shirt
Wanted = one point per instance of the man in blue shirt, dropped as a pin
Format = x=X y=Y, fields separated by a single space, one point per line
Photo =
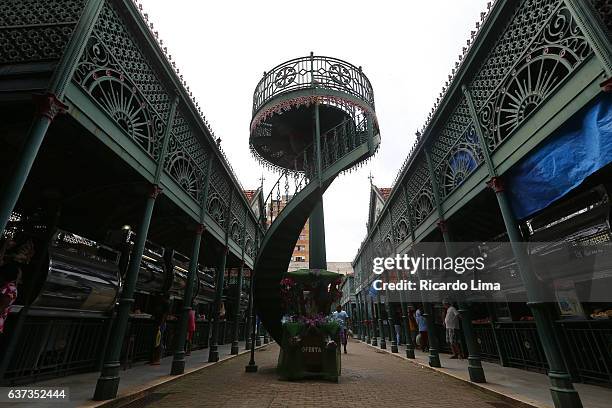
x=342 y=318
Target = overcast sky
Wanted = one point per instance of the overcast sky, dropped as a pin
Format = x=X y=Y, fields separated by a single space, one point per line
x=406 y=48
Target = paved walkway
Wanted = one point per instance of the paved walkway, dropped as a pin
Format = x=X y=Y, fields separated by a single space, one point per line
x=369 y=379
x=134 y=381
x=529 y=387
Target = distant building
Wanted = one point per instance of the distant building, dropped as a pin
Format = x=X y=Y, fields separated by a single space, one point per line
x=302 y=247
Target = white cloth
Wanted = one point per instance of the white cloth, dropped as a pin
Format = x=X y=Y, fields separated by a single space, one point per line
x=451 y=321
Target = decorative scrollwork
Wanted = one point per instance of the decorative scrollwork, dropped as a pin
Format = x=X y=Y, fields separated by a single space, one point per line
x=459 y=167
x=556 y=52
x=236 y=232
x=422 y=207
x=402 y=230
x=285 y=77
x=216 y=209
x=340 y=74
x=184 y=171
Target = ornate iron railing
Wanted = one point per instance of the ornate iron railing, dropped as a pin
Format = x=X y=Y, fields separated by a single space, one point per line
x=342 y=139
x=310 y=72
x=283 y=191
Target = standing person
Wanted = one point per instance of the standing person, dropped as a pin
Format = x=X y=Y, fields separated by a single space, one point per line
x=397 y=325
x=342 y=318
x=191 y=327
x=451 y=322
x=160 y=315
x=422 y=324
x=15 y=259
x=412 y=323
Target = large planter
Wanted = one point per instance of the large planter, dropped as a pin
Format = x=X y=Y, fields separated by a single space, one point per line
x=307 y=353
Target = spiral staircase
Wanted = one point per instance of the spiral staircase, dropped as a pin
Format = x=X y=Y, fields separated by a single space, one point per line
x=313 y=118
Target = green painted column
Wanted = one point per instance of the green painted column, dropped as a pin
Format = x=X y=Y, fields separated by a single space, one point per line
x=368 y=333
x=391 y=324
x=563 y=393
x=247 y=330
x=374 y=324
x=360 y=317
x=404 y=324
x=316 y=236
x=48 y=106
x=434 y=356
x=213 y=353
x=381 y=329
x=108 y=382
x=178 y=361
x=235 y=348
x=406 y=327
x=475 y=370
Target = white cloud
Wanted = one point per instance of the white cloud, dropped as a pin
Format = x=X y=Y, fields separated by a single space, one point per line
x=406 y=48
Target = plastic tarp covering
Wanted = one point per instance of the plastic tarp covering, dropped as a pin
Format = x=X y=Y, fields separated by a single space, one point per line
x=576 y=150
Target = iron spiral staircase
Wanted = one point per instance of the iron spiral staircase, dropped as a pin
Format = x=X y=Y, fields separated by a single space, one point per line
x=313 y=118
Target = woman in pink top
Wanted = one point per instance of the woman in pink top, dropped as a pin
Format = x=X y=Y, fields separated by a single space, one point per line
x=191 y=326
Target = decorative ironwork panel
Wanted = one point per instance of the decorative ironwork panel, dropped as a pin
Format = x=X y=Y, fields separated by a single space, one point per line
x=237 y=218
x=112 y=31
x=420 y=192
x=386 y=234
x=251 y=242
x=455 y=151
x=401 y=226
x=119 y=78
x=604 y=9
x=36 y=30
x=528 y=19
x=186 y=158
x=555 y=52
x=218 y=194
x=462 y=158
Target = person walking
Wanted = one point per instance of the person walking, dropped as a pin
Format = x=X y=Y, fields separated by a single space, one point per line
x=342 y=318
x=422 y=324
x=451 y=322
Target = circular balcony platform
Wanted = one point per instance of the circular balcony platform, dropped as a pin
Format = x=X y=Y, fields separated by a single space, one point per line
x=283 y=125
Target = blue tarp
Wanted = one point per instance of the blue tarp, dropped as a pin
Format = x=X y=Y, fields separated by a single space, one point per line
x=579 y=148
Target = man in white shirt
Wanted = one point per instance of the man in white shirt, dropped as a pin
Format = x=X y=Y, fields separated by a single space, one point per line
x=451 y=322
x=342 y=318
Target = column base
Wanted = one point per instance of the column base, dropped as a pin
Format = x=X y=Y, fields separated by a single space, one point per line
x=251 y=368
x=235 y=349
x=374 y=342
x=394 y=348
x=266 y=339
x=213 y=354
x=178 y=367
x=258 y=341
x=434 y=360
x=410 y=353
x=383 y=344
x=247 y=345
x=476 y=371
x=106 y=388
x=563 y=393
